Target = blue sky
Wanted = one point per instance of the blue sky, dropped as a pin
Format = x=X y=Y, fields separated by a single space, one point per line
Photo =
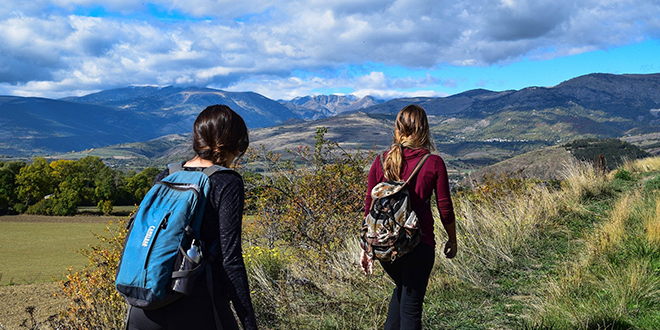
x=284 y=49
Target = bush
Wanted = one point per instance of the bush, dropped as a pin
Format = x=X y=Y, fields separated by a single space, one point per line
x=653 y=184
x=623 y=174
x=105 y=207
x=94 y=303
x=311 y=202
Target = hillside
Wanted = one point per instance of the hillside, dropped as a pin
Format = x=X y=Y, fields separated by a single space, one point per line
x=544 y=164
x=38 y=126
x=347 y=130
x=183 y=104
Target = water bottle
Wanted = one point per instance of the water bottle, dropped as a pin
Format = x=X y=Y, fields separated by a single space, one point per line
x=194 y=256
x=194 y=253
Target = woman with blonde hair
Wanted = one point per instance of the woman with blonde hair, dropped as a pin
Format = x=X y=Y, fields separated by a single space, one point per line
x=411 y=272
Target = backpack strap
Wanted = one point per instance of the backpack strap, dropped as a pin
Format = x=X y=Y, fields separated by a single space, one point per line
x=417 y=167
x=415 y=170
x=215 y=168
x=175 y=167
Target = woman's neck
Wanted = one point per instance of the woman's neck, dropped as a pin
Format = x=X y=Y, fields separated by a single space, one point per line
x=198 y=162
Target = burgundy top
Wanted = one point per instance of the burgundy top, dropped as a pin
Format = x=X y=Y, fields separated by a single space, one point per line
x=432 y=176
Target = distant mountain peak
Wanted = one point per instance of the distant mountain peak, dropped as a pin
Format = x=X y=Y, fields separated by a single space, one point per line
x=320 y=106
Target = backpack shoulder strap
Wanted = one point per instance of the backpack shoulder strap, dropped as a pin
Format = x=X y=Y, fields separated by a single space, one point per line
x=215 y=168
x=417 y=167
x=382 y=162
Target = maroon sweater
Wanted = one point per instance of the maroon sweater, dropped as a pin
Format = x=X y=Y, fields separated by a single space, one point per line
x=432 y=176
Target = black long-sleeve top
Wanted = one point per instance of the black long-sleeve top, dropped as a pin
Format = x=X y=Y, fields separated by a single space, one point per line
x=222 y=220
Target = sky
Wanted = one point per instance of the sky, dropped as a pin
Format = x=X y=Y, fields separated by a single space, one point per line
x=285 y=49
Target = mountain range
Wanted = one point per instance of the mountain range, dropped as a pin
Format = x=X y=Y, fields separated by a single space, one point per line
x=475 y=126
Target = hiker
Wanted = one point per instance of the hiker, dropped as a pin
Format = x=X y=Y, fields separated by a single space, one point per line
x=219 y=137
x=410 y=271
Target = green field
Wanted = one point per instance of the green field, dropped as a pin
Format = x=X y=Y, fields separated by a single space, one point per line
x=40 y=249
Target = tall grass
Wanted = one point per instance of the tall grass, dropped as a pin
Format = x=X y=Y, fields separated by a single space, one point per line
x=490 y=232
x=295 y=292
x=614 y=283
x=493 y=228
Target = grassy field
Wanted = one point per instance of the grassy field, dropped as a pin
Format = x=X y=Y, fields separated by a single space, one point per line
x=39 y=249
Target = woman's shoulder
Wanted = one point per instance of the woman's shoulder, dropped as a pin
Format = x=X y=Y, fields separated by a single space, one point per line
x=436 y=160
x=226 y=178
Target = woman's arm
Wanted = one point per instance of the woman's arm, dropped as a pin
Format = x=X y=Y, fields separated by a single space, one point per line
x=230 y=216
x=372 y=181
x=446 y=208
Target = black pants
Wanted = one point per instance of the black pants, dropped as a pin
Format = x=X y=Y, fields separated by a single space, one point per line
x=411 y=274
x=191 y=312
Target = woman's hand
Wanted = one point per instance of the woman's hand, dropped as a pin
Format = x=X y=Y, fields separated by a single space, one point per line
x=366 y=263
x=450 y=249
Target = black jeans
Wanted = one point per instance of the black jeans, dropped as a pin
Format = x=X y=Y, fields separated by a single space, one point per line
x=411 y=274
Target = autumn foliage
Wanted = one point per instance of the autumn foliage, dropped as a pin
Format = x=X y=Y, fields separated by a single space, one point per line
x=94 y=303
x=311 y=201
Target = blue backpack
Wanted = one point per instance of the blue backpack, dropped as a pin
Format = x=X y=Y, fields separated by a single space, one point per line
x=162 y=256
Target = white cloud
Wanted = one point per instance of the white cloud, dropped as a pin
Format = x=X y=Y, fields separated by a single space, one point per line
x=265 y=44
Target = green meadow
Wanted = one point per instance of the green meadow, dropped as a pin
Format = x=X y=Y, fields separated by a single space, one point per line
x=38 y=249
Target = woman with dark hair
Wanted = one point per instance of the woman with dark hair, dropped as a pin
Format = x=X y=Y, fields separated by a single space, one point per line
x=411 y=272
x=219 y=137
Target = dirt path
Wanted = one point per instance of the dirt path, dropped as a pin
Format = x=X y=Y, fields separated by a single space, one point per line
x=14 y=299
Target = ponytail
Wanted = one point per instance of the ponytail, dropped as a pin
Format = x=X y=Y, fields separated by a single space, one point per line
x=411 y=130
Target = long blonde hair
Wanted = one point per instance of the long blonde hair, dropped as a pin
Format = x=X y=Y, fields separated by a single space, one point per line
x=411 y=130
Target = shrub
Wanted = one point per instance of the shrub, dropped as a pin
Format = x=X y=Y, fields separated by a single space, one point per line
x=314 y=200
x=94 y=303
x=623 y=174
x=653 y=184
x=105 y=206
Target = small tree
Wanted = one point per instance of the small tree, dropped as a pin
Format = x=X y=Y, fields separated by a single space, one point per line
x=313 y=200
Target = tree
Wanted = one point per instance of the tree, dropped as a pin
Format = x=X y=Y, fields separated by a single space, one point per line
x=138 y=185
x=8 y=172
x=33 y=183
x=106 y=189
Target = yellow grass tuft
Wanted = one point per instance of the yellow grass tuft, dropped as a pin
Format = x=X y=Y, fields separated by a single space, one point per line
x=612 y=232
x=581 y=180
x=652 y=226
x=644 y=165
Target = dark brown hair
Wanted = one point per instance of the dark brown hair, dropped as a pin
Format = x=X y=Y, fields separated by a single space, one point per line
x=219 y=131
x=411 y=130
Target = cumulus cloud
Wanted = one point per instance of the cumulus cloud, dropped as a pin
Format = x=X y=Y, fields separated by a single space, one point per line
x=265 y=45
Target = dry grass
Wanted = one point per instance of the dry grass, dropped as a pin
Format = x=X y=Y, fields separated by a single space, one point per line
x=612 y=233
x=652 y=226
x=581 y=180
x=491 y=232
x=645 y=165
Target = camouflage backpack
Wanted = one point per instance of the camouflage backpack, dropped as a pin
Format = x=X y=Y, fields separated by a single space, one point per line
x=391 y=228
